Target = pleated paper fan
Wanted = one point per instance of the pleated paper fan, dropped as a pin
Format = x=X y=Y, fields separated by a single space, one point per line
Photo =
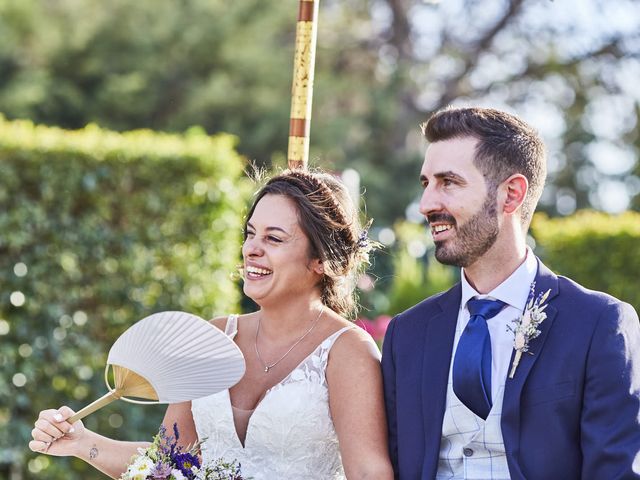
x=169 y=357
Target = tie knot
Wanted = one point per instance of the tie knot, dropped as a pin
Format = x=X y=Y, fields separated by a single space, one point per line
x=484 y=308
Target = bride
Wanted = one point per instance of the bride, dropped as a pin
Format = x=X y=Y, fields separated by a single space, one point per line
x=310 y=403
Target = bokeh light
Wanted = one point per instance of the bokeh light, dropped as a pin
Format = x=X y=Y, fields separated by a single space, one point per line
x=20 y=269
x=19 y=380
x=17 y=299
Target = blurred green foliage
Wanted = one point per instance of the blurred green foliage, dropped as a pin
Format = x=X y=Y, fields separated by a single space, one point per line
x=597 y=250
x=415 y=279
x=405 y=272
x=100 y=229
x=382 y=67
x=159 y=64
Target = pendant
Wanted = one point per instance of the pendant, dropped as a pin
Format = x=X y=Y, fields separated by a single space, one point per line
x=266 y=369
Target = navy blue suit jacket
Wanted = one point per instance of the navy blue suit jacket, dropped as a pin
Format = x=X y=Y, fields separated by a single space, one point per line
x=570 y=412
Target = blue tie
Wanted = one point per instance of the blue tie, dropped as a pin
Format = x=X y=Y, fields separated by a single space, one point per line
x=472 y=363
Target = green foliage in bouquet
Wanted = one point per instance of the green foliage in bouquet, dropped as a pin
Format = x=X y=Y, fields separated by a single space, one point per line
x=100 y=229
x=599 y=251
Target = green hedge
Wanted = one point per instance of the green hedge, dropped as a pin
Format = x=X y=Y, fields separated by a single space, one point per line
x=600 y=251
x=97 y=230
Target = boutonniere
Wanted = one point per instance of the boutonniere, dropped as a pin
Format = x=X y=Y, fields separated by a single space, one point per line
x=525 y=328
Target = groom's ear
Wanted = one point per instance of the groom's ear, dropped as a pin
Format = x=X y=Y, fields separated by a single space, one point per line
x=514 y=190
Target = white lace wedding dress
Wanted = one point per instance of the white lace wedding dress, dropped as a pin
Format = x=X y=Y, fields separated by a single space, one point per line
x=290 y=434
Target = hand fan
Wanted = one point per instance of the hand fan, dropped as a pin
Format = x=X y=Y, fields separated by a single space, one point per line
x=169 y=357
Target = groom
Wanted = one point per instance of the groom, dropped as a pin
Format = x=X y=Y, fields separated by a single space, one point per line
x=461 y=402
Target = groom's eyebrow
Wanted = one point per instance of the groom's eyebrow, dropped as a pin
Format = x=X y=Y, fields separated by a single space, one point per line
x=448 y=174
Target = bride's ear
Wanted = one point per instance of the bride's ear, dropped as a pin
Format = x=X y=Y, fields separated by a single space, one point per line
x=317 y=266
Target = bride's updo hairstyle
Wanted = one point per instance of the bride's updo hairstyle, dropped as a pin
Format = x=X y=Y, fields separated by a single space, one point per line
x=330 y=221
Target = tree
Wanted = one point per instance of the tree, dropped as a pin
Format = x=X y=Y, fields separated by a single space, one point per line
x=382 y=67
x=571 y=76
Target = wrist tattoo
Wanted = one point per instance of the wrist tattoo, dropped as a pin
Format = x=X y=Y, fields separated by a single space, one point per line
x=93 y=453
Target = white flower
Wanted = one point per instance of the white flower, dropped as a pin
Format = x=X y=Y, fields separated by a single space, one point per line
x=526 y=327
x=139 y=469
x=177 y=475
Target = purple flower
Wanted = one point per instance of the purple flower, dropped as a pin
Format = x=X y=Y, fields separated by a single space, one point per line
x=161 y=471
x=172 y=442
x=184 y=462
x=163 y=441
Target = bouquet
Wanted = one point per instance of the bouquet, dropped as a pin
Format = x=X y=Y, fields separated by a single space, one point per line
x=164 y=460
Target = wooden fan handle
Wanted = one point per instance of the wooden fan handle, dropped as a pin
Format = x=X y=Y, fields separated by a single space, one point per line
x=92 y=407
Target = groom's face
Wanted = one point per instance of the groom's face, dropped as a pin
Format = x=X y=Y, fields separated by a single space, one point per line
x=456 y=202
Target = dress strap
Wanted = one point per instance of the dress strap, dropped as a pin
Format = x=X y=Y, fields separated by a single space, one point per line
x=331 y=339
x=324 y=349
x=231 y=329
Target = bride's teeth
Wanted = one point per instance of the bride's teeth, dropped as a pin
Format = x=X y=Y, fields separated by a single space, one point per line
x=259 y=271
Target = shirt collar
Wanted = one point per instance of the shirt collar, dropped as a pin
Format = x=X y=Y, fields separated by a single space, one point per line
x=513 y=291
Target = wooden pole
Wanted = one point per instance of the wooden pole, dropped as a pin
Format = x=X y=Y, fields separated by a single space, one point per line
x=302 y=88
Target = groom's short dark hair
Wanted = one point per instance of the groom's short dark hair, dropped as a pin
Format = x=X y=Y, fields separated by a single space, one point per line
x=506 y=146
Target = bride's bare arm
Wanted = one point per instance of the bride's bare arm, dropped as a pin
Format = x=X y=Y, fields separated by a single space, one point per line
x=180 y=414
x=53 y=435
x=357 y=406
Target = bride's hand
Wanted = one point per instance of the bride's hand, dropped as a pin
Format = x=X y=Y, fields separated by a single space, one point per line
x=53 y=435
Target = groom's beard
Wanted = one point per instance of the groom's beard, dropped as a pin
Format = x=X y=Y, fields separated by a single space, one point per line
x=472 y=239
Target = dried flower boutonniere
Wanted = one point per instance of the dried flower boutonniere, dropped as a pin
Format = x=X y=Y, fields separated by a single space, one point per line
x=526 y=327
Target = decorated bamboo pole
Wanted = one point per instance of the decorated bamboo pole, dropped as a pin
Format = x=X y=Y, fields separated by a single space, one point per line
x=302 y=88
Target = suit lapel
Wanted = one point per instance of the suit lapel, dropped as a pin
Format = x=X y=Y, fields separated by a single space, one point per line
x=438 y=345
x=510 y=422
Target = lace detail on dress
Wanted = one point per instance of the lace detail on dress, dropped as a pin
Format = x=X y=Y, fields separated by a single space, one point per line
x=289 y=435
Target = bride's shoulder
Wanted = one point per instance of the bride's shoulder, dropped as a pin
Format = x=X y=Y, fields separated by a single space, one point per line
x=354 y=359
x=353 y=342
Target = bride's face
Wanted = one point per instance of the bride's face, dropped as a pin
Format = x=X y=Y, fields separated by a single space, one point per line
x=276 y=254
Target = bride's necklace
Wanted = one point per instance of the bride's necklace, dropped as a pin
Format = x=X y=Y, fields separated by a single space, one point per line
x=269 y=367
